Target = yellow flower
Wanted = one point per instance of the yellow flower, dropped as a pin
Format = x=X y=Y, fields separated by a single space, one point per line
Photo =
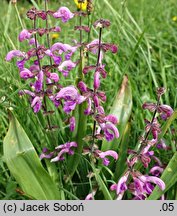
x=174 y=18
x=55 y=36
x=81 y=6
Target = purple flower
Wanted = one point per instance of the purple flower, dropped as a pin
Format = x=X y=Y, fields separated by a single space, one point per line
x=26 y=74
x=71 y=98
x=30 y=93
x=96 y=101
x=34 y=68
x=160 y=91
x=66 y=66
x=36 y=104
x=121 y=186
x=154 y=128
x=56 y=29
x=132 y=161
x=88 y=111
x=82 y=28
x=145 y=160
x=46 y=154
x=96 y=80
x=157 y=160
x=110 y=131
x=60 y=48
x=64 y=13
x=66 y=145
x=103 y=156
x=60 y=157
x=32 y=42
x=150 y=106
x=148 y=188
x=57 y=59
x=111 y=118
x=139 y=197
x=38 y=85
x=24 y=35
x=21 y=64
x=88 y=68
x=156 y=170
x=90 y=196
x=65 y=148
x=82 y=86
x=136 y=188
x=165 y=111
x=154 y=180
x=93 y=46
x=162 y=145
x=111 y=47
x=145 y=155
x=101 y=95
x=102 y=71
x=140 y=188
x=102 y=23
x=54 y=77
x=15 y=53
x=42 y=14
x=72 y=123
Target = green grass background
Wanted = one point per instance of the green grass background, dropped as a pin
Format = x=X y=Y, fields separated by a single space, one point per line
x=146 y=34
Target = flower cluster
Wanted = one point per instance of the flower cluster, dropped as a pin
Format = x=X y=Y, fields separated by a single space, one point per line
x=58 y=153
x=43 y=79
x=95 y=97
x=141 y=185
x=104 y=156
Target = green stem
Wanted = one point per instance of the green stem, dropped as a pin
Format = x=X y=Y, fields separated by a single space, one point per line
x=20 y=20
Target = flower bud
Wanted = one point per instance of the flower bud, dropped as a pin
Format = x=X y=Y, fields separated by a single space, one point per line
x=96 y=80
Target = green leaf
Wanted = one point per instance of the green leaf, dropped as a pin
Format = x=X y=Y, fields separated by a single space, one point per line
x=101 y=184
x=74 y=160
x=121 y=164
x=121 y=108
x=24 y=164
x=80 y=130
x=169 y=176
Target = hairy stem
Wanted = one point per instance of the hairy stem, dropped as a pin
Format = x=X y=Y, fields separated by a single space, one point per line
x=145 y=138
x=40 y=67
x=80 y=23
x=94 y=108
x=148 y=132
x=47 y=27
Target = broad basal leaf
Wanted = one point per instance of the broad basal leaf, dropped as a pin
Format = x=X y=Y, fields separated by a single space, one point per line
x=121 y=108
x=24 y=164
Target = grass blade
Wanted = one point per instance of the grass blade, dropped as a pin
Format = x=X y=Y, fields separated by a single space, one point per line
x=169 y=176
x=121 y=164
x=167 y=124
